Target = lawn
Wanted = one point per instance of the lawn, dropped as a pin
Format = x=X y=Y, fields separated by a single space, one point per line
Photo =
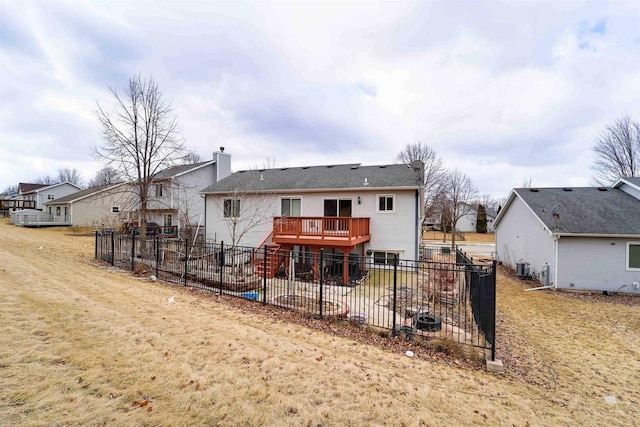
x=85 y=344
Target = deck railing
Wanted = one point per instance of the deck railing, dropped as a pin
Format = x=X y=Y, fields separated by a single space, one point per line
x=323 y=228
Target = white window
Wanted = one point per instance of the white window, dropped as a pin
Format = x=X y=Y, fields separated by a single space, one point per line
x=633 y=256
x=231 y=208
x=168 y=220
x=50 y=196
x=57 y=210
x=159 y=190
x=386 y=203
x=384 y=257
x=290 y=206
x=115 y=209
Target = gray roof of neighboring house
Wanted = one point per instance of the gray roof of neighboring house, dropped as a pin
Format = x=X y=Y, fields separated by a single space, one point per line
x=632 y=180
x=318 y=178
x=80 y=194
x=25 y=187
x=46 y=187
x=177 y=170
x=584 y=210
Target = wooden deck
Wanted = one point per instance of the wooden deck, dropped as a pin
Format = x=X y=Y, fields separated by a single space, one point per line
x=321 y=231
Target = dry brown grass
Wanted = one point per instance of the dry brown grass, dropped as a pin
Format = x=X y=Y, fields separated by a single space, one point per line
x=83 y=345
x=437 y=236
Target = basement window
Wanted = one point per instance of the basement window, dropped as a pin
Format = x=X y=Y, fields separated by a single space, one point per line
x=383 y=257
x=633 y=256
x=115 y=209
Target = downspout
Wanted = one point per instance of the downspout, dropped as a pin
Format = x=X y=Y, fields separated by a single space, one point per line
x=417 y=228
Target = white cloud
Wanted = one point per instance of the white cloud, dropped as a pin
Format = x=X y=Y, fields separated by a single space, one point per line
x=503 y=92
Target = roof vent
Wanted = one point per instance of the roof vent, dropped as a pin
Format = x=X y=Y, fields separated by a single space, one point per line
x=355 y=166
x=283 y=169
x=567 y=189
x=305 y=167
x=533 y=190
x=366 y=182
x=261 y=177
x=383 y=166
x=329 y=166
x=602 y=188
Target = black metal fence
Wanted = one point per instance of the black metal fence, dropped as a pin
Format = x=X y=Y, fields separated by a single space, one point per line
x=442 y=295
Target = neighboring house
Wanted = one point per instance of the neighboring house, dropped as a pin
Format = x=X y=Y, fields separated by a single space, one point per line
x=345 y=209
x=175 y=193
x=468 y=223
x=42 y=194
x=574 y=238
x=96 y=206
x=174 y=201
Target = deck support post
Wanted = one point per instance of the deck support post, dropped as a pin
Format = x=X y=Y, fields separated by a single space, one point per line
x=345 y=266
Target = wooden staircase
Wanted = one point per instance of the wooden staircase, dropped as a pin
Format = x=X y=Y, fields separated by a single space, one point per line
x=275 y=259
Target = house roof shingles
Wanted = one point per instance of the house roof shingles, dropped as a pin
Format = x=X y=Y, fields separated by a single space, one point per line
x=334 y=177
x=585 y=210
x=176 y=170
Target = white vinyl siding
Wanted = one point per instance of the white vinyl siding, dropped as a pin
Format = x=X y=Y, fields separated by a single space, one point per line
x=521 y=237
x=633 y=256
x=595 y=264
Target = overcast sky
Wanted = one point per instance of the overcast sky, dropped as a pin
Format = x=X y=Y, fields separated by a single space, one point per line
x=505 y=91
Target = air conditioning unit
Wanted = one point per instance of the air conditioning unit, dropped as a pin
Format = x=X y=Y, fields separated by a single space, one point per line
x=523 y=269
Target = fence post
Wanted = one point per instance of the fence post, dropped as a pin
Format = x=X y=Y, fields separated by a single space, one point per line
x=96 y=256
x=321 y=279
x=113 y=249
x=133 y=249
x=157 y=255
x=493 y=314
x=264 y=277
x=395 y=292
x=186 y=254
x=221 y=266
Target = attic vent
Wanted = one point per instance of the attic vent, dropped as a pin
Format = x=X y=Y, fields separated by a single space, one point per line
x=330 y=166
x=567 y=189
x=533 y=190
x=283 y=169
x=261 y=170
x=355 y=166
x=602 y=188
x=305 y=167
x=382 y=167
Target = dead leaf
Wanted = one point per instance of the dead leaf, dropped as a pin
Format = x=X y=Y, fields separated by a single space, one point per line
x=150 y=408
x=319 y=358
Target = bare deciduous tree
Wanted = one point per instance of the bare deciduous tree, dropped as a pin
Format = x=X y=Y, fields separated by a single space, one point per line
x=617 y=151
x=70 y=175
x=459 y=194
x=191 y=158
x=140 y=137
x=10 y=189
x=433 y=172
x=244 y=211
x=105 y=176
x=45 y=180
x=269 y=163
